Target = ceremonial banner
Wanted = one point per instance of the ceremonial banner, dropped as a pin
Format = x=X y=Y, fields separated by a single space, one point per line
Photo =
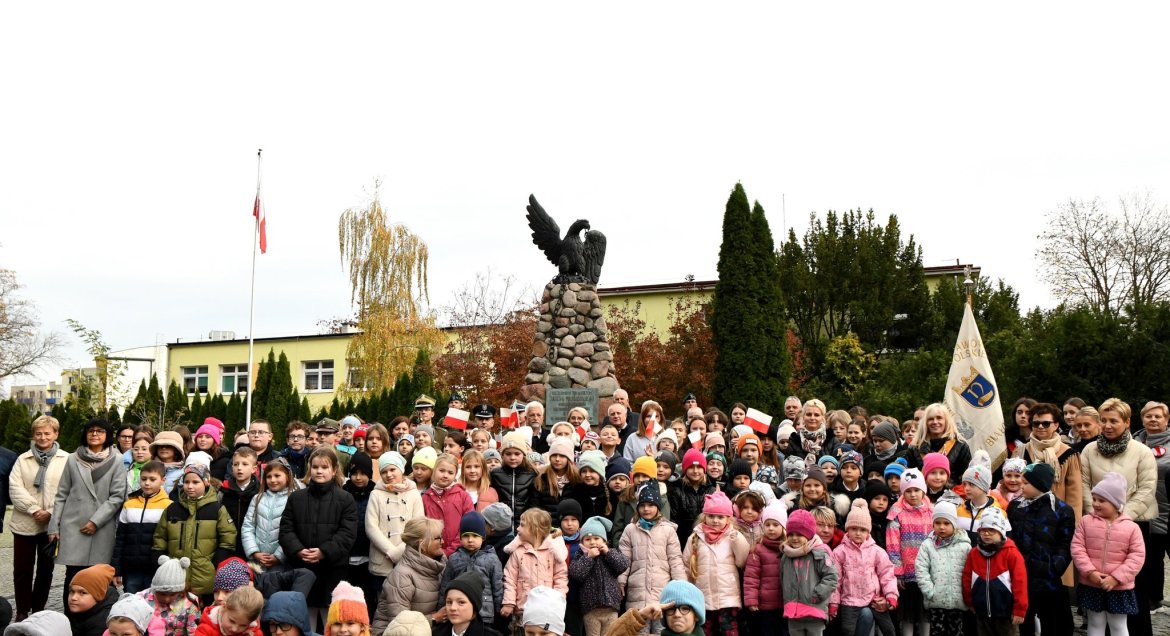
x=972 y=395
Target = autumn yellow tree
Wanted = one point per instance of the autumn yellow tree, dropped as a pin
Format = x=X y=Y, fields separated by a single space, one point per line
x=387 y=267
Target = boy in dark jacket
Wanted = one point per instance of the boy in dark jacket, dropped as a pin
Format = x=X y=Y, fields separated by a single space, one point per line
x=1042 y=527
x=995 y=581
x=472 y=556
x=360 y=485
x=594 y=572
x=499 y=530
x=133 y=563
x=238 y=490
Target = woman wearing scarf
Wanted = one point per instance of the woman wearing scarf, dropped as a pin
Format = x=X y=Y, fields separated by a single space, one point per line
x=1156 y=436
x=1113 y=452
x=814 y=439
x=937 y=433
x=1046 y=446
x=93 y=488
x=33 y=486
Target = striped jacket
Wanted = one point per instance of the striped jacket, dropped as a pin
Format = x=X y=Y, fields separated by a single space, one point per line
x=907 y=530
x=136 y=523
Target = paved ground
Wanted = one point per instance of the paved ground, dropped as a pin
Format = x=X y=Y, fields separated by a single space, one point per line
x=1161 y=616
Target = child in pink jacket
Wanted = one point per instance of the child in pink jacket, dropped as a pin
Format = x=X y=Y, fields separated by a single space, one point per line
x=911 y=519
x=714 y=555
x=1108 y=550
x=533 y=564
x=868 y=589
x=447 y=500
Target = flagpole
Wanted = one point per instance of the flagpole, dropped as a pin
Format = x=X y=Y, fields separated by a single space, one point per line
x=252 y=302
x=968 y=283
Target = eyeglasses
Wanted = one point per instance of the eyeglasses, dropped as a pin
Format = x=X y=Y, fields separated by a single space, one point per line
x=95 y=431
x=685 y=610
x=296 y=437
x=1042 y=423
x=258 y=433
x=274 y=626
x=130 y=436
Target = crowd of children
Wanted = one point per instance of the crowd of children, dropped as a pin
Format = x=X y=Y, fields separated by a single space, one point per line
x=726 y=531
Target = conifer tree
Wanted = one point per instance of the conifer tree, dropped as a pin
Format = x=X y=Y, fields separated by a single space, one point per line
x=176 y=406
x=280 y=392
x=154 y=398
x=195 y=416
x=15 y=425
x=263 y=383
x=233 y=417
x=775 y=360
x=736 y=328
x=306 y=414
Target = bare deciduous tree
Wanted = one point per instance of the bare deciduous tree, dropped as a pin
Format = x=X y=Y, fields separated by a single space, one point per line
x=23 y=346
x=1108 y=261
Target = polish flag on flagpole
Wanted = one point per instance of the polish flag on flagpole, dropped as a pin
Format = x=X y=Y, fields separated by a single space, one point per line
x=758 y=420
x=456 y=418
x=258 y=212
x=509 y=418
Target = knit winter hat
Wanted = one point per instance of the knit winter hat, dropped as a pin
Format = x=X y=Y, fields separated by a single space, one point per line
x=232 y=573
x=545 y=608
x=596 y=527
x=817 y=474
x=775 y=511
x=801 y=522
x=787 y=430
x=912 y=478
x=739 y=467
x=646 y=465
x=1112 y=488
x=349 y=604
x=618 y=466
x=648 y=493
x=561 y=446
x=1040 y=475
x=828 y=459
x=473 y=523
x=946 y=510
x=593 y=460
x=171 y=575
x=885 y=431
x=407 y=437
x=133 y=608
x=896 y=468
x=683 y=593
x=198 y=458
x=171 y=439
x=212 y=430
x=875 y=487
x=1015 y=465
x=424 y=456
x=935 y=460
x=993 y=518
x=592 y=437
x=492 y=453
x=96 y=580
x=666 y=457
x=352 y=420
x=391 y=458
x=978 y=472
x=498 y=516
x=716 y=457
x=42 y=623
x=852 y=457
x=408 y=623
x=666 y=436
x=763 y=490
x=717 y=503
x=740 y=430
x=471 y=585
x=859 y=516
x=694 y=457
x=712 y=440
x=516 y=440
x=569 y=507
x=744 y=440
x=360 y=433
x=425 y=428
x=360 y=461
x=794 y=468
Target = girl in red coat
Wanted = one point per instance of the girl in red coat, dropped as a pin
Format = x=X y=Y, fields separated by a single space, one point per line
x=238 y=616
x=761 y=577
x=447 y=501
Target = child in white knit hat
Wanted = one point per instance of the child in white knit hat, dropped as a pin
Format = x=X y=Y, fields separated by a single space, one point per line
x=544 y=612
x=133 y=616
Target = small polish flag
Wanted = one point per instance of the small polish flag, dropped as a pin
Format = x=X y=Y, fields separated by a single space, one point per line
x=456 y=418
x=653 y=426
x=509 y=418
x=582 y=430
x=759 y=421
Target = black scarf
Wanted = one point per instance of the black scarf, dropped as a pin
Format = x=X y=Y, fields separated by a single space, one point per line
x=1113 y=449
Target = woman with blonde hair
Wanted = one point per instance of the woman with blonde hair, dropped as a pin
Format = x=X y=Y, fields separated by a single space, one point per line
x=937 y=433
x=414 y=583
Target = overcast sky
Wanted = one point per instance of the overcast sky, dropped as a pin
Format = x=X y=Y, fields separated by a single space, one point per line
x=129 y=137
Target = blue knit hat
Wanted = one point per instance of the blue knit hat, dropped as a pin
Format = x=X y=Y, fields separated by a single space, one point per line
x=618 y=466
x=648 y=493
x=473 y=523
x=596 y=527
x=684 y=593
x=896 y=469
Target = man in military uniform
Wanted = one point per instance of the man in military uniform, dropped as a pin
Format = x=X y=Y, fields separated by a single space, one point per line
x=485 y=415
x=424 y=413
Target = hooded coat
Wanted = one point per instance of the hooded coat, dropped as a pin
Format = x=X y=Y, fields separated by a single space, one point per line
x=996 y=585
x=289 y=608
x=86 y=495
x=1115 y=548
x=530 y=566
x=200 y=530
x=261 y=529
x=808 y=582
x=413 y=585
x=714 y=568
x=321 y=516
x=940 y=570
x=761 y=576
x=514 y=487
x=386 y=515
x=448 y=507
x=1043 y=530
x=655 y=559
x=865 y=573
x=491 y=573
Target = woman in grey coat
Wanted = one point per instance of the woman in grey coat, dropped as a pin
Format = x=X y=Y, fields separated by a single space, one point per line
x=89 y=497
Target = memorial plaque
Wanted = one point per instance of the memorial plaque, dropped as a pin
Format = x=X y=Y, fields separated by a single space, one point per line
x=557 y=403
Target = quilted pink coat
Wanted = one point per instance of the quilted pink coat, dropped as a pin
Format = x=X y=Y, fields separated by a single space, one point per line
x=866 y=574
x=717 y=566
x=761 y=577
x=655 y=560
x=1113 y=548
x=529 y=567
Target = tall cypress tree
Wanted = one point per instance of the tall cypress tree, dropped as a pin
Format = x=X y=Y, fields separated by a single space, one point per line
x=280 y=393
x=261 y=393
x=154 y=399
x=176 y=406
x=776 y=362
x=306 y=414
x=234 y=417
x=736 y=324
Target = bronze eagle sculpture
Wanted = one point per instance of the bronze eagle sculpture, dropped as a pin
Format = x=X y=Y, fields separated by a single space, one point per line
x=577 y=261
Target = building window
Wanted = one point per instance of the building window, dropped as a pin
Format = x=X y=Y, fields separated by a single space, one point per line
x=353 y=379
x=195 y=379
x=319 y=375
x=233 y=378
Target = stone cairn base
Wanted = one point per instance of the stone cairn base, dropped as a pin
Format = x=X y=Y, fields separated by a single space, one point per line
x=571 y=347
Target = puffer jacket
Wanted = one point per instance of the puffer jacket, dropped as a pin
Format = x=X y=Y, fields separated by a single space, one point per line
x=514 y=487
x=940 y=570
x=905 y=533
x=386 y=517
x=321 y=516
x=448 y=507
x=865 y=574
x=1043 y=531
x=491 y=573
x=1160 y=444
x=593 y=499
x=531 y=566
x=597 y=579
x=413 y=585
x=808 y=582
x=995 y=582
x=1137 y=464
x=236 y=501
x=261 y=531
x=200 y=530
x=136 y=525
x=761 y=577
x=1114 y=548
x=686 y=504
x=26 y=498
x=714 y=568
x=655 y=560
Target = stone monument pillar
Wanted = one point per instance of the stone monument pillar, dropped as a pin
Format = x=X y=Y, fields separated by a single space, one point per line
x=571 y=347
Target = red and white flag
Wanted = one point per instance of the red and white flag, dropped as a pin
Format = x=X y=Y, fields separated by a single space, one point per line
x=258 y=212
x=653 y=426
x=758 y=420
x=509 y=418
x=456 y=418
